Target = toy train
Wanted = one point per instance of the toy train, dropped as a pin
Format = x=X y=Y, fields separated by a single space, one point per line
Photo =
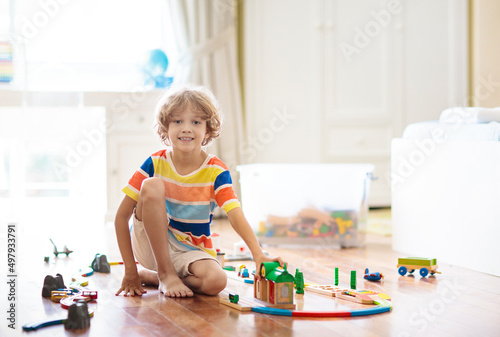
x=410 y=264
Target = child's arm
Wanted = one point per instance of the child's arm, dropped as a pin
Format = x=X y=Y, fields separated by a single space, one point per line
x=242 y=227
x=131 y=283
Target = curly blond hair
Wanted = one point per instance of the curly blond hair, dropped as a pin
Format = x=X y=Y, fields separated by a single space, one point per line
x=199 y=98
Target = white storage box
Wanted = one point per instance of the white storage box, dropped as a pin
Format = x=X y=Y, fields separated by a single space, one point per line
x=307 y=204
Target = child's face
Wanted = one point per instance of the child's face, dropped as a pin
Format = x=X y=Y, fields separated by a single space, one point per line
x=187 y=130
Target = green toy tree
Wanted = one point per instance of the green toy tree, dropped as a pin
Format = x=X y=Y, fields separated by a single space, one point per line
x=299 y=282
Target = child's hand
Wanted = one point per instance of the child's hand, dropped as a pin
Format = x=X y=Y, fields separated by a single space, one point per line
x=263 y=258
x=131 y=285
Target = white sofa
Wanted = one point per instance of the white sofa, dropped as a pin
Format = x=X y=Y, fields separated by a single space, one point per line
x=446 y=194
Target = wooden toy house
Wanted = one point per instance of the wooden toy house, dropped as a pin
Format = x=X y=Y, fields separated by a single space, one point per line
x=275 y=286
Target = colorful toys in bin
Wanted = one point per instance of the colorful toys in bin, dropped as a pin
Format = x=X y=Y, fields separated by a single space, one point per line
x=310 y=222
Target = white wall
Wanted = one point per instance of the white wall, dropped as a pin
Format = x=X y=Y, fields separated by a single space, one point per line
x=350 y=76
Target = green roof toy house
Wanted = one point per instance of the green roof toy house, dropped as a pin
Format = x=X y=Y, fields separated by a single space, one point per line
x=274 y=286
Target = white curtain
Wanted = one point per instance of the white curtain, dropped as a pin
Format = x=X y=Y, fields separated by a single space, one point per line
x=206 y=38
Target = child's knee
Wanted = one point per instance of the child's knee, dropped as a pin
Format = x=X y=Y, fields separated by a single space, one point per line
x=215 y=283
x=152 y=188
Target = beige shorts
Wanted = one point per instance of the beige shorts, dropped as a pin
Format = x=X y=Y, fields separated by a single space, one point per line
x=181 y=259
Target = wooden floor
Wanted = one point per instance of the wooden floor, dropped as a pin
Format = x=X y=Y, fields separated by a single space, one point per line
x=458 y=302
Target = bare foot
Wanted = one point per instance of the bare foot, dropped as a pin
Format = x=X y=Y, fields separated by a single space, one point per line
x=172 y=286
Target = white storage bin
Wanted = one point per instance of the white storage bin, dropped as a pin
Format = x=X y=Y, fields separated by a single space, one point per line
x=307 y=204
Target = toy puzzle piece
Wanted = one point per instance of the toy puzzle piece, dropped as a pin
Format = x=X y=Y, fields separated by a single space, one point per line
x=57 y=295
x=325 y=289
x=359 y=296
x=84 y=295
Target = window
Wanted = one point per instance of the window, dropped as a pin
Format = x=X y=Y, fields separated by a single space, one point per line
x=52 y=169
x=86 y=45
x=285 y=291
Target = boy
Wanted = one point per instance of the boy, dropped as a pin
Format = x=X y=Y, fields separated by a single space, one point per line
x=172 y=198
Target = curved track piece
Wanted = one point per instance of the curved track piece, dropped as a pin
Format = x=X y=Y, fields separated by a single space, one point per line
x=385 y=306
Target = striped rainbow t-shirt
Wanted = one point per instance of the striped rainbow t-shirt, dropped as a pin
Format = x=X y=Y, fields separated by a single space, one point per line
x=190 y=199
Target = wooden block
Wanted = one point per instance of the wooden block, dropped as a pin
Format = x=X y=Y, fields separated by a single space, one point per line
x=359 y=296
x=238 y=306
x=316 y=214
x=281 y=306
x=420 y=261
x=325 y=289
x=416 y=267
x=247 y=305
x=260 y=303
x=382 y=296
x=354 y=297
x=282 y=220
x=242 y=305
x=381 y=302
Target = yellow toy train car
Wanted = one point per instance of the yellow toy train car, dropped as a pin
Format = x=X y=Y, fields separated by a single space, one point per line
x=410 y=264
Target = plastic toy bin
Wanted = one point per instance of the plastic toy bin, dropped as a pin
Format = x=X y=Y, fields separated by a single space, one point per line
x=306 y=204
